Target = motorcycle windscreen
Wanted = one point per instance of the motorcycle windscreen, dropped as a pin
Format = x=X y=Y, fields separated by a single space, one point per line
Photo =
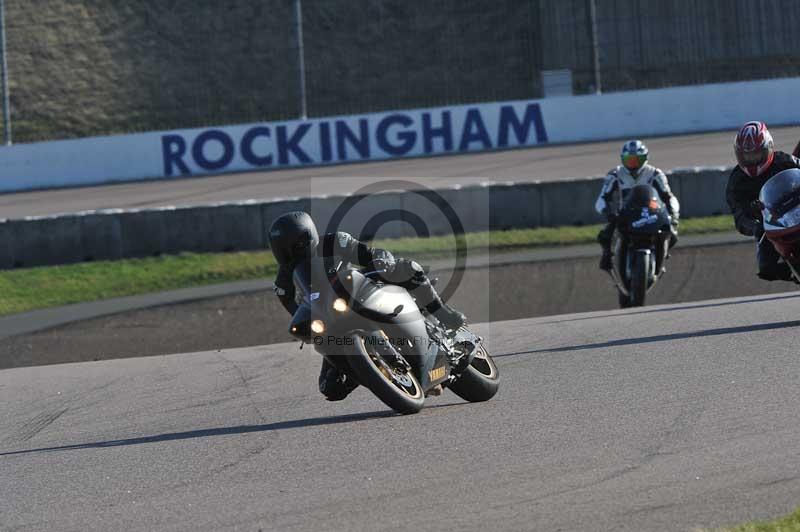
x=643 y=197
x=302 y=278
x=643 y=211
x=310 y=277
x=780 y=200
x=315 y=296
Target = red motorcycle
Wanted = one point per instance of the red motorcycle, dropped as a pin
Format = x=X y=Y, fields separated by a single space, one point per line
x=780 y=211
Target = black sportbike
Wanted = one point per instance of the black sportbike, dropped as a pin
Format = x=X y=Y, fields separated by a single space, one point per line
x=642 y=245
x=375 y=333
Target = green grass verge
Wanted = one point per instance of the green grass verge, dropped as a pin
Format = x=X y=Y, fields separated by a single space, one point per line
x=790 y=523
x=33 y=288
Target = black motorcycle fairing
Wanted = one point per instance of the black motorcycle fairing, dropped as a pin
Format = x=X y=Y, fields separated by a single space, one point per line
x=643 y=214
x=643 y=224
x=779 y=197
x=300 y=326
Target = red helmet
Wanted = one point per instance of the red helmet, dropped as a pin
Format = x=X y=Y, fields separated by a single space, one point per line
x=754 y=148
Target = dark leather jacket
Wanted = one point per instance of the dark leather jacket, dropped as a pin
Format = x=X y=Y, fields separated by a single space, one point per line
x=340 y=245
x=743 y=190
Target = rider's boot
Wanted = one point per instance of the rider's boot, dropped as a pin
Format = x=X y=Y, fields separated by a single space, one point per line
x=429 y=300
x=776 y=272
x=334 y=384
x=605 y=259
x=604 y=238
x=770 y=265
x=450 y=317
x=426 y=296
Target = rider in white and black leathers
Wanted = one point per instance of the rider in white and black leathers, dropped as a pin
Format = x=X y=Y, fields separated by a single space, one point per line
x=293 y=238
x=633 y=171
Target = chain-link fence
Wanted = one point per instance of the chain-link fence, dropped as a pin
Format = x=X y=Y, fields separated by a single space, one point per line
x=91 y=67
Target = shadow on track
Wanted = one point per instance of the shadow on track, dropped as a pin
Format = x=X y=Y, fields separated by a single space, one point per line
x=227 y=431
x=223 y=431
x=660 y=338
x=674 y=309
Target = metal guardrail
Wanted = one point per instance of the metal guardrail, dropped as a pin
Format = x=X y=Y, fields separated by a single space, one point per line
x=116 y=234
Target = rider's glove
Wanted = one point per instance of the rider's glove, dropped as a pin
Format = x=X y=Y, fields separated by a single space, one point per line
x=384 y=261
x=755 y=209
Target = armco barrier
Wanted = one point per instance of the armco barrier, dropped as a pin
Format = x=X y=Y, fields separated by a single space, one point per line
x=701 y=191
x=142 y=232
x=570 y=202
x=517 y=205
x=101 y=237
x=117 y=234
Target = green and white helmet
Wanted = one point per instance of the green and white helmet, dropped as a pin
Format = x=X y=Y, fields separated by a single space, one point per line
x=634 y=156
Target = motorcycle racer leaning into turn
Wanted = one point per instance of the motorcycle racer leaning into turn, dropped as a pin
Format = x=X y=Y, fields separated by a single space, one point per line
x=633 y=171
x=293 y=237
x=757 y=161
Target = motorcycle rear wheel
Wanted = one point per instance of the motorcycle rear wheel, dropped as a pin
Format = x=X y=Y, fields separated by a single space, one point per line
x=399 y=390
x=480 y=381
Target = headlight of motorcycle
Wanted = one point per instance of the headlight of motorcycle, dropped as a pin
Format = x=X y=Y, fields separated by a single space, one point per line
x=340 y=305
x=317 y=326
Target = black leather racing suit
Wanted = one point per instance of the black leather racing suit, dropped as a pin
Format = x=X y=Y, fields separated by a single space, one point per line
x=741 y=193
x=406 y=273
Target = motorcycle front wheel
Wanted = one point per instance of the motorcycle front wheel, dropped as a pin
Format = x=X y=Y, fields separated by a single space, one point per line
x=640 y=274
x=398 y=389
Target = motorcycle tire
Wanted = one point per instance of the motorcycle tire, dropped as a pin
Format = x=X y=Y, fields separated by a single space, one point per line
x=640 y=274
x=400 y=391
x=479 y=381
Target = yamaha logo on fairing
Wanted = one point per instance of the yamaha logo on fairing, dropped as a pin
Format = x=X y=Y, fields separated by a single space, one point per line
x=646 y=219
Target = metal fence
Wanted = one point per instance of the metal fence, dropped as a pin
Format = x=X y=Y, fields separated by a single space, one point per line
x=91 y=67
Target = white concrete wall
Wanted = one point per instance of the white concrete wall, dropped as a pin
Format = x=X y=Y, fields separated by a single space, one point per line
x=434 y=131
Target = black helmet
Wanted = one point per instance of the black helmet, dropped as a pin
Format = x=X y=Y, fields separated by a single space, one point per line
x=293 y=236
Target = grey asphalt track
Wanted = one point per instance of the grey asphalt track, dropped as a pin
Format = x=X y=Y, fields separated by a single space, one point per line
x=664 y=418
x=545 y=163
